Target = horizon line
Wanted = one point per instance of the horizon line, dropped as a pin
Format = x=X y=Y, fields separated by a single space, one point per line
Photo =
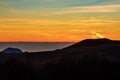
x=39 y=42
x=55 y=41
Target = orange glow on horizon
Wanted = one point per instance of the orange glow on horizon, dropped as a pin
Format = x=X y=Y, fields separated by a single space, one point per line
x=38 y=30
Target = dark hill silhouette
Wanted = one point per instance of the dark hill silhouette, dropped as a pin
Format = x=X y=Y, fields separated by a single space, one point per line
x=99 y=47
x=91 y=46
x=95 y=59
x=11 y=50
x=92 y=43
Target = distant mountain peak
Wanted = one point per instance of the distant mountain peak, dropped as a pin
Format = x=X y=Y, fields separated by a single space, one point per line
x=99 y=39
x=92 y=42
x=10 y=50
x=96 y=40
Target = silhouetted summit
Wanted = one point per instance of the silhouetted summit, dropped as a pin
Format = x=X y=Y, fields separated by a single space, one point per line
x=92 y=43
x=10 y=50
x=91 y=47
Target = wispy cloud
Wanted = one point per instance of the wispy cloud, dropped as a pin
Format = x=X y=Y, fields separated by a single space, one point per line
x=71 y=10
x=47 y=12
x=19 y=11
x=4 y=3
x=96 y=34
x=49 y=22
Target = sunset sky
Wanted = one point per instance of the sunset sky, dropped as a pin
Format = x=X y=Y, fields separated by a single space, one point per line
x=58 y=20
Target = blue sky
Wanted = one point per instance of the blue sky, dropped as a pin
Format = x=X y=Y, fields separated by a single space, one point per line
x=27 y=4
x=41 y=8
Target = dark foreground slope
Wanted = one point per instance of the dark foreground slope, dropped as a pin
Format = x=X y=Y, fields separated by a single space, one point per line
x=96 y=59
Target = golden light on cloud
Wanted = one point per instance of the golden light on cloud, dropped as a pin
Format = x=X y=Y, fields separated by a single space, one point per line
x=96 y=34
x=47 y=30
x=58 y=20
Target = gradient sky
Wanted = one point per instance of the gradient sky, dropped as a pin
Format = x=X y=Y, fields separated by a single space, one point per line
x=59 y=20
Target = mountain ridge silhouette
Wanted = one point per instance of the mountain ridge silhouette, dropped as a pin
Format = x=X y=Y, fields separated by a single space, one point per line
x=92 y=43
x=96 y=59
